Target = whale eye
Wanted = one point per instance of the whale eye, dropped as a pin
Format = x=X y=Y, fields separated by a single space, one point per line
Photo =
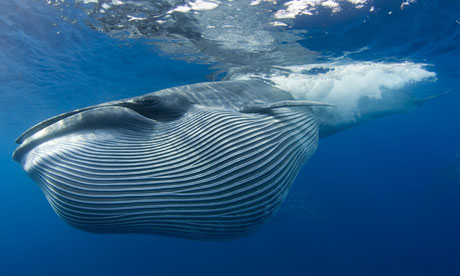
x=161 y=108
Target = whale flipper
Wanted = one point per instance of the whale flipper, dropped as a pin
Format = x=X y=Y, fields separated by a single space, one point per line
x=261 y=107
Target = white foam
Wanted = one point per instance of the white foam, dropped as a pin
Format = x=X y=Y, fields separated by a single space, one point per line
x=105 y=6
x=132 y=18
x=333 y=5
x=406 y=3
x=297 y=7
x=88 y=1
x=278 y=24
x=309 y=7
x=357 y=2
x=345 y=85
x=198 y=5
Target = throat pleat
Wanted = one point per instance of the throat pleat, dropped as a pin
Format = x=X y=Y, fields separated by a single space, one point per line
x=209 y=175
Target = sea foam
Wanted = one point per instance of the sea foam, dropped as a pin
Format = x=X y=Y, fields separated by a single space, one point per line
x=359 y=91
x=345 y=85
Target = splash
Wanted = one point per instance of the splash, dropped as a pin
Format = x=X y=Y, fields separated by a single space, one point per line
x=309 y=7
x=259 y=39
x=345 y=85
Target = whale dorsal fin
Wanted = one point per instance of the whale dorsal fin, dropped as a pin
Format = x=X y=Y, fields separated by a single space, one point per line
x=258 y=107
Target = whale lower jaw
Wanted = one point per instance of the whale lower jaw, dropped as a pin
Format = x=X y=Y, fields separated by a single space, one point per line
x=212 y=174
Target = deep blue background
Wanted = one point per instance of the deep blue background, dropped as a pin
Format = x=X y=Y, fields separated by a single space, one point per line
x=379 y=199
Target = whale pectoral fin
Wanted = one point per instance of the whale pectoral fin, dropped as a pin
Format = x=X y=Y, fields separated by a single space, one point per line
x=260 y=108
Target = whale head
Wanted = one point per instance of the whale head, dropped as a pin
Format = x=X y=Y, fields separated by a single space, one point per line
x=203 y=161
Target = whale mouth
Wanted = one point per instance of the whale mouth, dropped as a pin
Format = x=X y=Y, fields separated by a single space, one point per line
x=76 y=121
x=136 y=113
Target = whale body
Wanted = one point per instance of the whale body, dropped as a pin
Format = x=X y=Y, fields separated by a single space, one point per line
x=203 y=161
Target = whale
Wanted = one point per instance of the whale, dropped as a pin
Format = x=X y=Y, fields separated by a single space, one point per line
x=203 y=161
x=211 y=160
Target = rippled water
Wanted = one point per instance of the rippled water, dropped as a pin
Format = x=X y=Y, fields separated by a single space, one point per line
x=379 y=199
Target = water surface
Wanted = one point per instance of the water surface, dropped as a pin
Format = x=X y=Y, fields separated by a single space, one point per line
x=378 y=199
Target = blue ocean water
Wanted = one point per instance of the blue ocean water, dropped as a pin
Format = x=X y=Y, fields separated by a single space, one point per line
x=381 y=198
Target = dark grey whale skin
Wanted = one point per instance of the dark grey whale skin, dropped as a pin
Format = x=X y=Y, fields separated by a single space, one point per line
x=203 y=161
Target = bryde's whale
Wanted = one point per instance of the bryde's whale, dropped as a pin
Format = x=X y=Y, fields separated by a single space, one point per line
x=203 y=161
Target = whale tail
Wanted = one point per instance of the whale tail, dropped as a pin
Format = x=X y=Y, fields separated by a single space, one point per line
x=421 y=101
x=333 y=120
